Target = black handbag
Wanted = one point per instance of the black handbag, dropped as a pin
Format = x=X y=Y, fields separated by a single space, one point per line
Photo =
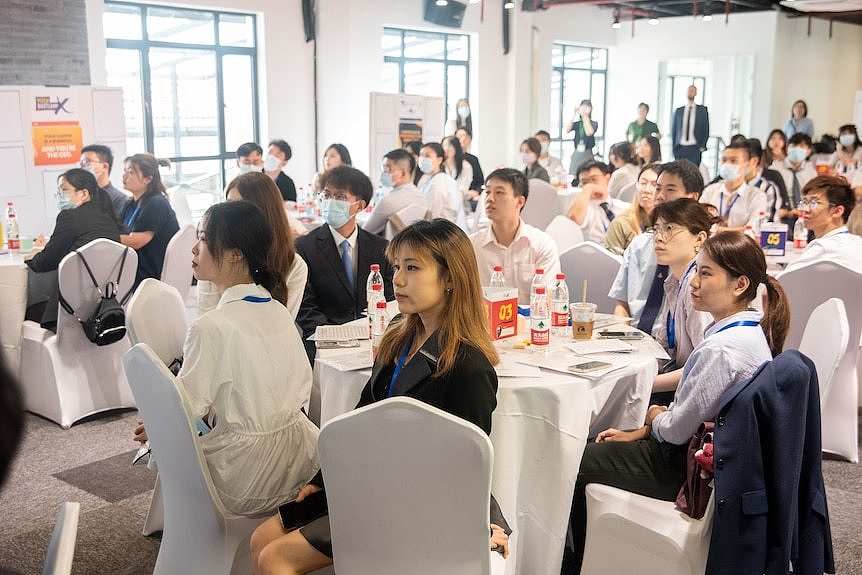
x=107 y=323
x=694 y=494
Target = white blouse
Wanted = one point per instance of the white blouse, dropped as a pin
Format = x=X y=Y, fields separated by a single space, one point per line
x=245 y=360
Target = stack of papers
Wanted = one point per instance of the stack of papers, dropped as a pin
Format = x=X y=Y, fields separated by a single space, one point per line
x=600 y=346
x=350 y=361
x=345 y=332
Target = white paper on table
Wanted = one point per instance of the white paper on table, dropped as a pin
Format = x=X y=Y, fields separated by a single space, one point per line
x=561 y=364
x=512 y=368
x=652 y=347
x=608 y=319
x=599 y=346
x=354 y=330
x=350 y=361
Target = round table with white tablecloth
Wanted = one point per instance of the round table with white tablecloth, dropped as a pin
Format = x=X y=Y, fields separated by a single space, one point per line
x=13 y=306
x=539 y=430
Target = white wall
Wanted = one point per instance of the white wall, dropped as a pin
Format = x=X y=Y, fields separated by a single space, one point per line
x=824 y=72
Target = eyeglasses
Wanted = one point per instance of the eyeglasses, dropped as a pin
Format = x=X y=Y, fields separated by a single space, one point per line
x=325 y=195
x=812 y=204
x=666 y=232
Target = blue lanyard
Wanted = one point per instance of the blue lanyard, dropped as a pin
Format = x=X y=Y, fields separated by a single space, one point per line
x=671 y=318
x=131 y=218
x=255 y=299
x=748 y=322
x=401 y=360
x=730 y=207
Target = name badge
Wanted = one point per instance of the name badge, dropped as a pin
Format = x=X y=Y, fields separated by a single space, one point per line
x=582 y=148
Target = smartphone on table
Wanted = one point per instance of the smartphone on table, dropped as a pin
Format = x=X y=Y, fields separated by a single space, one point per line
x=621 y=334
x=589 y=366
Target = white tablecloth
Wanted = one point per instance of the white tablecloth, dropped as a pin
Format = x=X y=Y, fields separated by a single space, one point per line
x=13 y=305
x=539 y=431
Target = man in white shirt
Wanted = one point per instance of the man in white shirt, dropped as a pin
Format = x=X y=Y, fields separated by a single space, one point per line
x=637 y=278
x=690 y=129
x=594 y=209
x=826 y=204
x=398 y=167
x=738 y=203
x=509 y=241
x=796 y=171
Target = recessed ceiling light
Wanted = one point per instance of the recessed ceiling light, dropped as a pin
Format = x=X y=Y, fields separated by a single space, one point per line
x=653 y=21
x=707 y=17
x=442 y=2
x=509 y=5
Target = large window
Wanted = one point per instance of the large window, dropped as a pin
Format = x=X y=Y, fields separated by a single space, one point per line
x=578 y=73
x=189 y=80
x=427 y=64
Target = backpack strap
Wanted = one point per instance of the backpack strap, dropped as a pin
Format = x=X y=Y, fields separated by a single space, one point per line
x=65 y=304
x=120 y=276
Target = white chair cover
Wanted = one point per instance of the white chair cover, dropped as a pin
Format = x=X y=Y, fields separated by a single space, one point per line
x=395 y=466
x=61 y=549
x=66 y=377
x=177 y=267
x=825 y=343
x=565 y=232
x=180 y=204
x=200 y=536
x=807 y=287
x=542 y=204
x=592 y=262
x=404 y=217
x=628 y=533
x=627 y=194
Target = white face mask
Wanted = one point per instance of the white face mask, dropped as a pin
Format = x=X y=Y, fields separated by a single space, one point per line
x=729 y=172
x=463 y=111
x=270 y=163
x=248 y=168
x=847 y=140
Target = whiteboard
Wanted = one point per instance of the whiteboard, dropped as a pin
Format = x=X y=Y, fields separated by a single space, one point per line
x=12 y=162
x=108 y=115
x=10 y=116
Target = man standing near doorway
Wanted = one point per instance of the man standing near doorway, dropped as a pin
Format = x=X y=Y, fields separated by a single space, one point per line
x=690 y=129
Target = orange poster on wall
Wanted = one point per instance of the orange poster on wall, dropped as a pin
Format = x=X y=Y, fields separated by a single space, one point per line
x=56 y=143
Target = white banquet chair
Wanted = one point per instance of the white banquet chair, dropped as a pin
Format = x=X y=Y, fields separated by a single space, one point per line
x=200 y=536
x=180 y=203
x=65 y=376
x=400 y=464
x=61 y=549
x=156 y=316
x=177 y=267
x=592 y=262
x=807 y=287
x=630 y=533
x=542 y=204
x=825 y=343
x=565 y=232
x=404 y=217
x=627 y=194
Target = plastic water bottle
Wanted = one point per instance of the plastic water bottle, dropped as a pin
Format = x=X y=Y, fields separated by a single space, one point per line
x=540 y=328
x=560 y=307
x=498 y=280
x=749 y=231
x=538 y=281
x=800 y=234
x=374 y=278
x=374 y=298
x=381 y=321
x=761 y=219
x=13 y=241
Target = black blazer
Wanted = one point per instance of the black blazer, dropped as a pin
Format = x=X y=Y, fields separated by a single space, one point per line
x=701 y=126
x=329 y=298
x=770 y=502
x=74 y=229
x=469 y=391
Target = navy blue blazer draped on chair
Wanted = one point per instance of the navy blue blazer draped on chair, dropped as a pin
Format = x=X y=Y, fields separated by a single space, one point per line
x=770 y=502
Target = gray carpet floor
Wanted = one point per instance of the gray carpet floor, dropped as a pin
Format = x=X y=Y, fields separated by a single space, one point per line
x=90 y=463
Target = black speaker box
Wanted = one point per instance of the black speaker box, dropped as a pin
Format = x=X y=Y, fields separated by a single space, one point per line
x=451 y=15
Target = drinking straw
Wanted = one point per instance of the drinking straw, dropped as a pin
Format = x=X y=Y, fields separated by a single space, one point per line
x=584 y=293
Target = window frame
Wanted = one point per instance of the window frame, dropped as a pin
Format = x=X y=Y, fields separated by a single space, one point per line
x=401 y=60
x=145 y=44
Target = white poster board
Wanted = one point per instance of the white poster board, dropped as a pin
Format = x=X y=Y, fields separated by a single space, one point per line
x=398 y=118
x=42 y=129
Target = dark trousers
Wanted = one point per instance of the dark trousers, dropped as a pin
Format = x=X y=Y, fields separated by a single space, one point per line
x=690 y=153
x=645 y=467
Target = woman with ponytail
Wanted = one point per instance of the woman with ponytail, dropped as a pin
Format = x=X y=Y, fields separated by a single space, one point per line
x=651 y=460
x=244 y=368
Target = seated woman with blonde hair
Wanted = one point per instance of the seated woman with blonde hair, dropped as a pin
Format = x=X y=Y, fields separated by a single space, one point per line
x=438 y=291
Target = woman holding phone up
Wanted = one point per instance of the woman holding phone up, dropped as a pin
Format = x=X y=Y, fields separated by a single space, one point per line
x=650 y=460
x=439 y=352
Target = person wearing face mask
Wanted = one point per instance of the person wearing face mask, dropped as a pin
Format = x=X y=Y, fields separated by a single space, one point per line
x=739 y=204
x=847 y=159
x=767 y=181
x=796 y=171
x=339 y=255
x=98 y=160
x=398 y=167
x=86 y=214
x=552 y=164
x=463 y=117
x=275 y=165
x=439 y=188
x=531 y=149
x=466 y=140
x=249 y=158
